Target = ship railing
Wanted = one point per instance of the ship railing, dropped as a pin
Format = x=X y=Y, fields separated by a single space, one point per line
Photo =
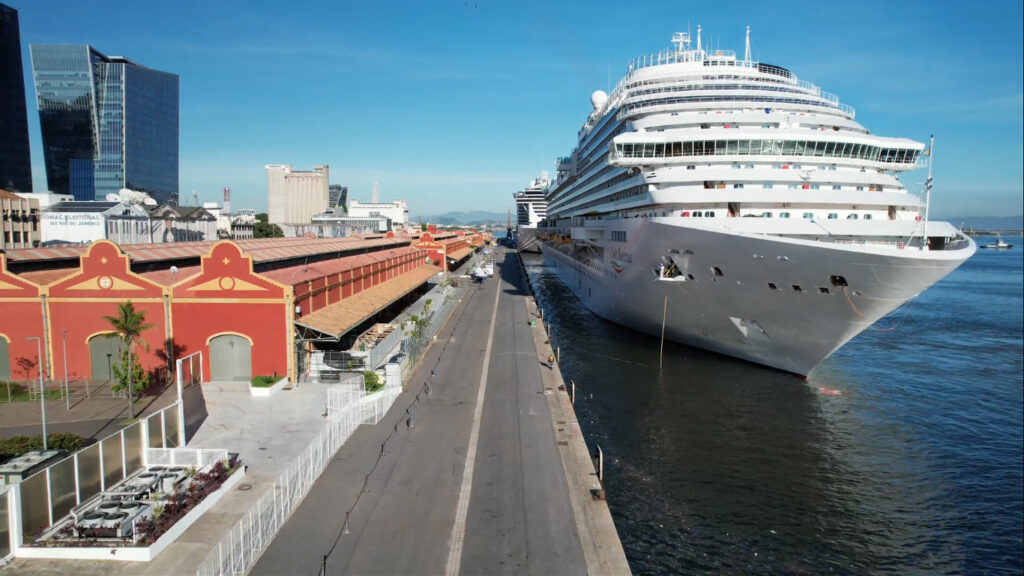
x=676 y=56
x=630 y=110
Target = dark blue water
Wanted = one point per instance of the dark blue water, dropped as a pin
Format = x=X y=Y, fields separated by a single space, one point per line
x=715 y=465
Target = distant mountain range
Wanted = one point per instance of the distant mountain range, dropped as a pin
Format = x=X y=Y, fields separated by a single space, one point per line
x=476 y=217
x=987 y=222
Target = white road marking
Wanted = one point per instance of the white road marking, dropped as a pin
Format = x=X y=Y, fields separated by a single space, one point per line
x=459 y=529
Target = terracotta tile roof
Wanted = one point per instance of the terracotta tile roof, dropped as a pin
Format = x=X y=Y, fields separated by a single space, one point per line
x=44 y=277
x=339 y=318
x=460 y=253
x=167 y=279
x=293 y=275
x=262 y=249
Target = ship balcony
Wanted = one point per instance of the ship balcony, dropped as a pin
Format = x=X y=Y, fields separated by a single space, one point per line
x=587 y=234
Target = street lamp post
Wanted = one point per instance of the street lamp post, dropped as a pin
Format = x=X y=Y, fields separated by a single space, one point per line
x=110 y=371
x=42 y=391
x=64 y=343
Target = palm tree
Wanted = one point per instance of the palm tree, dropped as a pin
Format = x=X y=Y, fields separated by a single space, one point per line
x=129 y=325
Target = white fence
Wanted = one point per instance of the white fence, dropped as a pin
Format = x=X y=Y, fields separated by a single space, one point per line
x=238 y=551
x=197 y=457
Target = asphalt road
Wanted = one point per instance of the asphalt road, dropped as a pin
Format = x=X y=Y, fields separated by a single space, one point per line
x=518 y=519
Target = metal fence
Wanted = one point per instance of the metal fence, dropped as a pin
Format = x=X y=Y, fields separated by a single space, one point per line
x=416 y=344
x=189 y=369
x=197 y=457
x=348 y=407
x=48 y=495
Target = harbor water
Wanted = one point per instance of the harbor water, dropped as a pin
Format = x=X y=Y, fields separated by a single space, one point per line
x=901 y=453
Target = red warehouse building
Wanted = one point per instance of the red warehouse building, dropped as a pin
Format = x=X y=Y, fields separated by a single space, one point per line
x=235 y=302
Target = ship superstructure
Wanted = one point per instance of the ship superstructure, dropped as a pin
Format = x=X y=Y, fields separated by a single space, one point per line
x=741 y=208
x=531 y=208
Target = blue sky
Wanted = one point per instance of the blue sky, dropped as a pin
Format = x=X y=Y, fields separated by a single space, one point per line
x=454 y=105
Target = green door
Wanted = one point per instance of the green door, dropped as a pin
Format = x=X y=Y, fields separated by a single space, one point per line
x=5 y=360
x=230 y=358
x=104 y=351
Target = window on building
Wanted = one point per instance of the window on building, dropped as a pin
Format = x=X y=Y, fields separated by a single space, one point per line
x=808 y=215
x=833 y=216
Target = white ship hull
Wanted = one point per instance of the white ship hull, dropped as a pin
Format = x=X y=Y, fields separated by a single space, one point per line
x=738 y=313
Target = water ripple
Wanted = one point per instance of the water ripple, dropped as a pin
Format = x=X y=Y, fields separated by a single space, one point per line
x=717 y=466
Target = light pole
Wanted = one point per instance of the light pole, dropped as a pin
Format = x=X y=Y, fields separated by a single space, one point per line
x=42 y=392
x=64 y=343
x=110 y=371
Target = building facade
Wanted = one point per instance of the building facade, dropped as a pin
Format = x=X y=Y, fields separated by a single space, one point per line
x=247 y=307
x=294 y=197
x=20 y=222
x=46 y=199
x=107 y=123
x=397 y=212
x=15 y=160
x=125 y=223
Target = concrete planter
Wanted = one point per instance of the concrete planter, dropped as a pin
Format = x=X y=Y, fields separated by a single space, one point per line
x=136 y=553
x=266 y=392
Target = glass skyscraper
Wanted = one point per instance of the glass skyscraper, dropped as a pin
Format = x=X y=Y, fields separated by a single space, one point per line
x=107 y=123
x=15 y=162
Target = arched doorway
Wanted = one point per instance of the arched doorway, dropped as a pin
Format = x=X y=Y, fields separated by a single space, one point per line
x=104 y=352
x=230 y=358
x=5 y=360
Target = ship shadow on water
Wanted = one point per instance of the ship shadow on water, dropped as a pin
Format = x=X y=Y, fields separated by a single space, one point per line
x=714 y=464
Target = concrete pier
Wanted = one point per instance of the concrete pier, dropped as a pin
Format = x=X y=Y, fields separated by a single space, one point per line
x=479 y=468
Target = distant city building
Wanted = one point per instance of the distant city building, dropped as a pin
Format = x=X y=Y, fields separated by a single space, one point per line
x=45 y=199
x=396 y=212
x=220 y=213
x=125 y=223
x=83 y=222
x=337 y=224
x=107 y=123
x=172 y=223
x=243 y=226
x=20 y=222
x=338 y=195
x=15 y=160
x=294 y=197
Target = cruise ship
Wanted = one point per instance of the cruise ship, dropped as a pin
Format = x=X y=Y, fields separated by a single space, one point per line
x=531 y=208
x=728 y=205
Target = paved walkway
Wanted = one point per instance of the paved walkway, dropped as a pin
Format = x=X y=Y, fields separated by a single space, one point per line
x=94 y=418
x=475 y=486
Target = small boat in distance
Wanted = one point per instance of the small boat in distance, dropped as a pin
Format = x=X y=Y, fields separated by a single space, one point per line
x=999 y=245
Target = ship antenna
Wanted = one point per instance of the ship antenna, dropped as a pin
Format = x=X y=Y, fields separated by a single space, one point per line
x=698 y=38
x=746 y=55
x=928 y=191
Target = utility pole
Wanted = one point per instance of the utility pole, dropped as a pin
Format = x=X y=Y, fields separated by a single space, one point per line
x=42 y=391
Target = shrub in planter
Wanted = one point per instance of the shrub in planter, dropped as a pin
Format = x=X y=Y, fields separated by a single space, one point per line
x=18 y=445
x=263 y=381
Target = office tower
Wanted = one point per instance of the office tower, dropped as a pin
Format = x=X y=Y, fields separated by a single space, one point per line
x=107 y=123
x=15 y=162
x=338 y=195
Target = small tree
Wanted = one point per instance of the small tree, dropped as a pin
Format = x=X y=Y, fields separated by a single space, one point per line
x=138 y=377
x=129 y=325
x=371 y=381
